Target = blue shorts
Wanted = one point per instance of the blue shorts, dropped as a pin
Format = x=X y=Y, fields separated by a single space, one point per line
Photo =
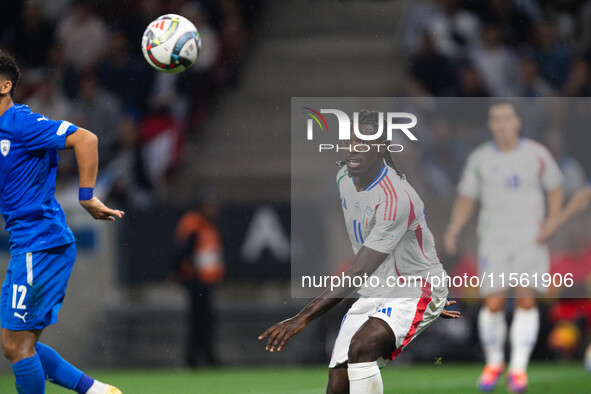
x=34 y=288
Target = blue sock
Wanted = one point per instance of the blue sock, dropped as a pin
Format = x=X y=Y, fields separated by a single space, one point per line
x=84 y=384
x=29 y=375
x=59 y=371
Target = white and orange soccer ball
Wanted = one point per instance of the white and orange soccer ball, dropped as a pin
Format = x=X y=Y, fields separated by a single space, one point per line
x=171 y=43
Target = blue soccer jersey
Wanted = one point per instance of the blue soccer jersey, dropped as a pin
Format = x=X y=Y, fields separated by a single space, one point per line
x=28 y=163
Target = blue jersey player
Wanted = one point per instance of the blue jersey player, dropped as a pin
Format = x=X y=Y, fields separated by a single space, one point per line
x=42 y=247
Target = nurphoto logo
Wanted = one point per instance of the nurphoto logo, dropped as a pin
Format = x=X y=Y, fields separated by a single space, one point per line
x=395 y=121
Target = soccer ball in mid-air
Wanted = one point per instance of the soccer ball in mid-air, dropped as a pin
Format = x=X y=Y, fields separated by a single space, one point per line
x=171 y=43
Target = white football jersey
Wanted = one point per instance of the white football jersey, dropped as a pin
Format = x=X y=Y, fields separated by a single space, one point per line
x=388 y=216
x=510 y=186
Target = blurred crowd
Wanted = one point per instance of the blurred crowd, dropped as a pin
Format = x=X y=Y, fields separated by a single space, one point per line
x=507 y=48
x=525 y=48
x=490 y=48
x=81 y=60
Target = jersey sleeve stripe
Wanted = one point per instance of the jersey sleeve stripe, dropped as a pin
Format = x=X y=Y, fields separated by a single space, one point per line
x=388 y=201
x=418 y=230
x=378 y=179
x=392 y=216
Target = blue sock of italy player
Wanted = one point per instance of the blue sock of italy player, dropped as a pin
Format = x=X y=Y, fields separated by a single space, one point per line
x=60 y=372
x=29 y=376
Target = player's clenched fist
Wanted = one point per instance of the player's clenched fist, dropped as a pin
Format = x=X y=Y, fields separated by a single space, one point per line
x=281 y=332
x=100 y=211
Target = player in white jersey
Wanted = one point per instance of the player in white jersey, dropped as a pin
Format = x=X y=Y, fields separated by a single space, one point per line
x=508 y=176
x=386 y=224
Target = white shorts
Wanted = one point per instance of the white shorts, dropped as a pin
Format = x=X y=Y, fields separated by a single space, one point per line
x=501 y=259
x=407 y=317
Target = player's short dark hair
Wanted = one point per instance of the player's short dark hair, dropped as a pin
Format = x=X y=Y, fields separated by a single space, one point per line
x=504 y=101
x=9 y=70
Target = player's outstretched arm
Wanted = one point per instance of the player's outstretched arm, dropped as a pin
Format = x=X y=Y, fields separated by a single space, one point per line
x=85 y=145
x=462 y=210
x=365 y=262
x=577 y=204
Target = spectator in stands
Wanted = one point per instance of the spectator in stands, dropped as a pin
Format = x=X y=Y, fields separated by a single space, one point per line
x=100 y=111
x=530 y=83
x=470 y=83
x=513 y=19
x=83 y=36
x=131 y=186
x=495 y=62
x=455 y=30
x=124 y=74
x=197 y=85
x=200 y=265
x=49 y=99
x=234 y=38
x=432 y=69
x=134 y=19
x=578 y=83
x=162 y=144
x=32 y=37
x=552 y=56
x=417 y=19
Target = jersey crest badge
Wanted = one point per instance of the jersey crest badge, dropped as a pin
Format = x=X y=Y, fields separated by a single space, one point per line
x=4 y=147
x=367 y=215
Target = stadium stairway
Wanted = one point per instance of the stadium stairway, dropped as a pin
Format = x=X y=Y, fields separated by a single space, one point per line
x=312 y=48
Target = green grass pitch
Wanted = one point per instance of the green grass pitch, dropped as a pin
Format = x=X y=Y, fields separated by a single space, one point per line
x=546 y=377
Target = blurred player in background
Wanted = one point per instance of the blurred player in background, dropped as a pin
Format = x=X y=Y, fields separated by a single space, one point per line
x=200 y=265
x=508 y=175
x=42 y=247
x=387 y=228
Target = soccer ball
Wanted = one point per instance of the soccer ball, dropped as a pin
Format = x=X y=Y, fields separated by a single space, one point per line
x=171 y=43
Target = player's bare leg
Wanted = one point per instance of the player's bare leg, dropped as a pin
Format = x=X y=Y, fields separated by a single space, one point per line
x=492 y=329
x=19 y=348
x=23 y=347
x=338 y=380
x=523 y=336
x=373 y=340
x=18 y=345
